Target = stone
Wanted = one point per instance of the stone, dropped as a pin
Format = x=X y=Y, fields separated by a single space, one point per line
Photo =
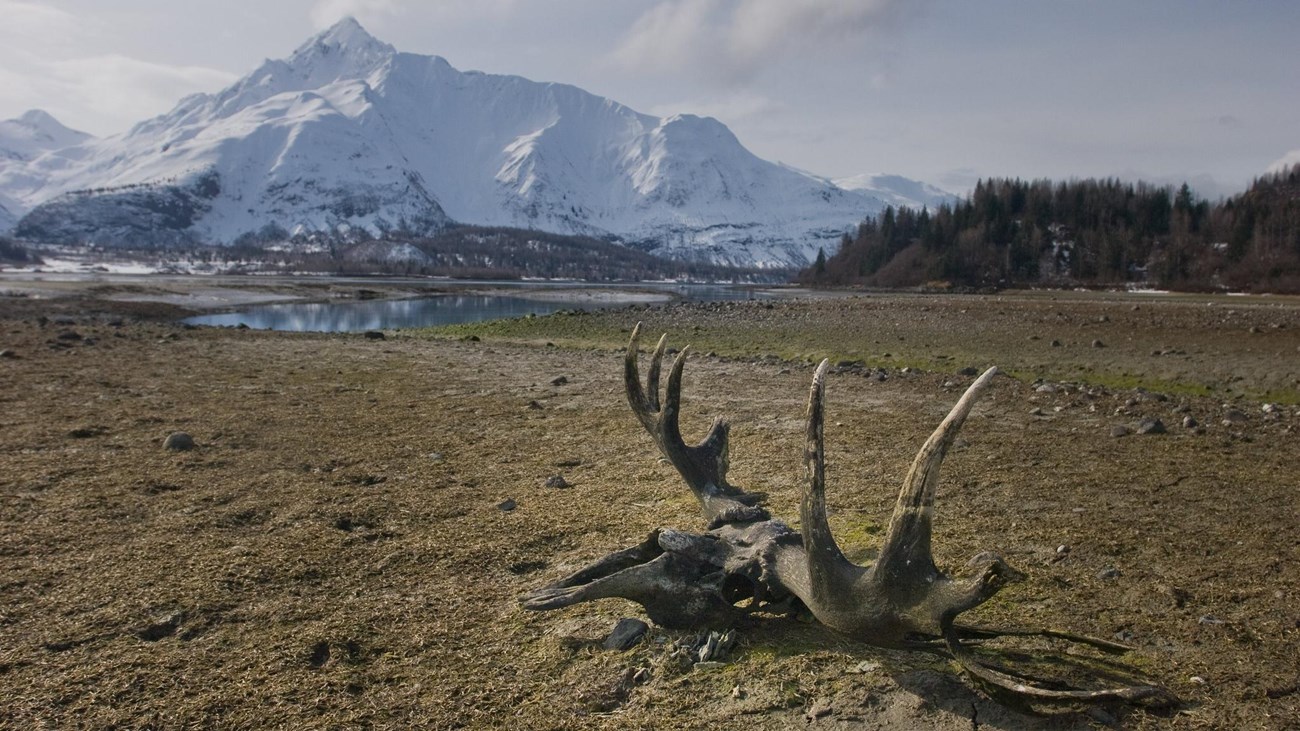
x=1151 y=426
x=179 y=442
x=1046 y=388
x=557 y=481
x=374 y=335
x=1098 y=344
x=6 y=353
x=626 y=633
x=1190 y=423
x=968 y=371
x=1234 y=416
x=559 y=381
x=1119 y=430
x=507 y=505
x=1110 y=572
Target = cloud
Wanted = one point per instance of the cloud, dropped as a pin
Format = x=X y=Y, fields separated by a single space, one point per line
x=727 y=107
x=126 y=89
x=325 y=13
x=738 y=38
x=25 y=20
x=328 y=12
x=1286 y=161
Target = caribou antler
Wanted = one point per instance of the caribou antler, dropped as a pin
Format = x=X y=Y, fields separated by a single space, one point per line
x=901 y=600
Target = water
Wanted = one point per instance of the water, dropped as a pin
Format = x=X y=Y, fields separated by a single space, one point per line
x=445 y=309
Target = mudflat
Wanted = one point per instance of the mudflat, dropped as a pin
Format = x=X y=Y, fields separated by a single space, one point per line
x=345 y=543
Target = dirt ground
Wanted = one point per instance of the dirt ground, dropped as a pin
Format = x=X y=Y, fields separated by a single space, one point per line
x=333 y=552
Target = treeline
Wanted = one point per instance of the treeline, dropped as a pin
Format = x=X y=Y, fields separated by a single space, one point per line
x=1010 y=233
x=471 y=252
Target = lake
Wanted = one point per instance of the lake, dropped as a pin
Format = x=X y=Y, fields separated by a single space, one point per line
x=449 y=309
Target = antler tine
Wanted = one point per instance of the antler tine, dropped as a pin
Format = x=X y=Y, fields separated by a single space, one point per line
x=704 y=466
x=825 y=560
x=907 y=542
x=652 y=378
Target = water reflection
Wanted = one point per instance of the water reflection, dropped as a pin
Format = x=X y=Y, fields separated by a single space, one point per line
x=425 y=312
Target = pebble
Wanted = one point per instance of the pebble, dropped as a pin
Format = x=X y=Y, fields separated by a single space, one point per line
x=1056 y=343
x=626 y=633
x=1151 y=426
x=1119 y=430
x=1190 y=423
x=507 y=505
x=1046 y=388
x=1234 y=416
x=1098 y=344
x=1197 y=680
x=1036 y=412
x=559 y=381
x=179 y=441
x=1110 y=572
x=557 y=481
x=6 y=353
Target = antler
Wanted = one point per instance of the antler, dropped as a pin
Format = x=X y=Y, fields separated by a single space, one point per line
x=903 y=599
x=703 y=466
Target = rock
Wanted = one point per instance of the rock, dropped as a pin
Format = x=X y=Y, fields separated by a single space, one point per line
x=1269 y=408
x=559 y=381
x=1151 y=426
x=374 y=335
x=1046 y=388
x=968 y=371
x=1036 y=412
x=1110 y=572
x=1234 y=416
x=435 y=456
x=507 y=505
x=179 y=442
x=1056 y=343
x=159 y=628
x=6 y=353
x=85 y=432
x=557 y=481
x=626 y=633
x=1190 y=423
x=1098 y=344
x=1119 y=430
x=69 y=335
x=471 y=339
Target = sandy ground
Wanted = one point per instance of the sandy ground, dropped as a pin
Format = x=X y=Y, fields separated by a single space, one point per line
x=332 y=553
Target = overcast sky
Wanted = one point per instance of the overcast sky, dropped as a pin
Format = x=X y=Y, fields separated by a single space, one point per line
x=941 y=90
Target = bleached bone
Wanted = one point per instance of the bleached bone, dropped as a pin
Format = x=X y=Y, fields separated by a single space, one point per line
x=694 y=580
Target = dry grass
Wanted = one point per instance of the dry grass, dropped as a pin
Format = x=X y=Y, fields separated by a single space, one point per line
x=332 y=555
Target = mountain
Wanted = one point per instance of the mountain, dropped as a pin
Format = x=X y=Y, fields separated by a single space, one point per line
x=34 y=133
x=898 y=191
x=348 y=134
x=22 y=140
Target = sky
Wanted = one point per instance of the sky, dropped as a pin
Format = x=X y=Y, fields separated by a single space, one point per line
x=945 y=91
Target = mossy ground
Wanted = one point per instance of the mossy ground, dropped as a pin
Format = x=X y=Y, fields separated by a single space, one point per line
x=331 y=555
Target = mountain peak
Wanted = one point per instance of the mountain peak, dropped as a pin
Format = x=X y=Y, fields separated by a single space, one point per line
x=346 y=39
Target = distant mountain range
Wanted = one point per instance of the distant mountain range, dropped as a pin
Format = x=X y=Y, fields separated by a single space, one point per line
x=350 y=138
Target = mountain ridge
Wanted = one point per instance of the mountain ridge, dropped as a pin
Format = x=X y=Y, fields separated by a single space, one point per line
x=349 y=137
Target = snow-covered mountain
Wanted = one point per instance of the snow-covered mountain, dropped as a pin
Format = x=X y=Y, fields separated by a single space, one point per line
x=22 y=140
x=34 y=133
x=898 y=191
x=349 y=133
